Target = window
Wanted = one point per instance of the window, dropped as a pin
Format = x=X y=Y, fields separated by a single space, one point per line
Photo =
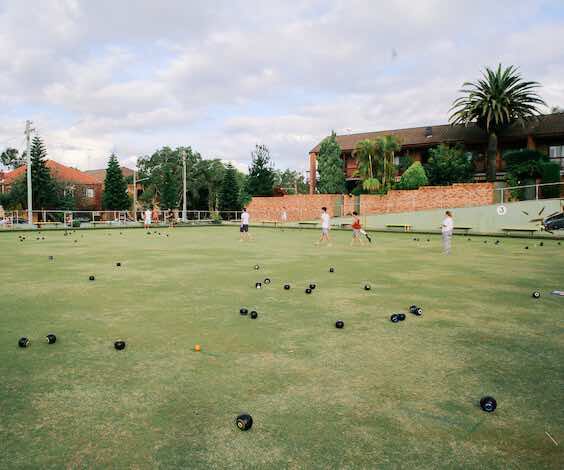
x=89 y=193
x=556 y=153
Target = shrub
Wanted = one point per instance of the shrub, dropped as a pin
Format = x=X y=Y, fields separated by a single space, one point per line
x=414 y=177
x=550 y=173
x=448 y=165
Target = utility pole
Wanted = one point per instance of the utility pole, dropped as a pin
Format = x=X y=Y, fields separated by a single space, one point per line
x=135 y=191
x=28 y=131
x=183 y=153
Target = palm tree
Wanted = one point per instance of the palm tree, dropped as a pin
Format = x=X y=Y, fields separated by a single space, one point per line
x=366 y=155
x=494 y=102
x=387 y=147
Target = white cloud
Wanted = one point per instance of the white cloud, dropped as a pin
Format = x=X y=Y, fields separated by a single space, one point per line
x=221 y=76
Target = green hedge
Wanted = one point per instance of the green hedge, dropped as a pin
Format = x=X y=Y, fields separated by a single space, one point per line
x=550 y=173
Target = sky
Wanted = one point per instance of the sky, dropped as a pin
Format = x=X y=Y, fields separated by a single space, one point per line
x=104 y=76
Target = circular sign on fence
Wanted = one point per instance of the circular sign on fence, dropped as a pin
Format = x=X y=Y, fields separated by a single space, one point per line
x=501 y=210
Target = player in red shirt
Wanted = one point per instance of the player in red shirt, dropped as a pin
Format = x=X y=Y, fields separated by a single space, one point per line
x=357 y=231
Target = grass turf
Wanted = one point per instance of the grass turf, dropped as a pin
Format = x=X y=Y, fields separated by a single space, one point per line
x=374 y=394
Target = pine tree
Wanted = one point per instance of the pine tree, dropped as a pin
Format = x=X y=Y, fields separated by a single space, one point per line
x=115 y=188
x=331 y=167
x=229 y=193
x=44 y=188
x=260 y=181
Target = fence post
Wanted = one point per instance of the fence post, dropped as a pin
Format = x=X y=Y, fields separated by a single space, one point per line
x=537 y=191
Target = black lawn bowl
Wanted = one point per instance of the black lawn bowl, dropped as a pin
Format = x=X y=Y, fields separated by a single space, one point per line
x=485 y=241
x=118 y=264
x=258 y=285
x=244 y=422
x=243 y=311
x=428 y=240
x=119 y=345
x=308 y=291
x=415 y=310
x=286 y=286
x=312 y=286
x=254 y=315
x=267 y=281
x=257 y=267
x=488 y=404
x=541 y=244
x=526 y=248
x=51 y=339
x=367 y=287
x=76 y=241
x=91 y=278
x=339 y=324
x=148 y=233
x=497 y=242
x=331 y=270
x=536 y=294
x=401 y=316
x=24 y=342
x=51 y=258
x=395 y=318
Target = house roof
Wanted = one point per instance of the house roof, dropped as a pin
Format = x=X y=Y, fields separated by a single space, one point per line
x=100 y=175
x=58 y=171
x=546 y=125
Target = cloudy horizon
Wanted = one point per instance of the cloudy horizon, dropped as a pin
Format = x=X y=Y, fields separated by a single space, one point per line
x=221 y=76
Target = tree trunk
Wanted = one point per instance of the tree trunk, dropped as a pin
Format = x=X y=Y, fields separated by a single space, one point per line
x=492 y=156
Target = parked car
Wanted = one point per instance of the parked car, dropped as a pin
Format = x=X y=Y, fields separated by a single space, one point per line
x=554 y=222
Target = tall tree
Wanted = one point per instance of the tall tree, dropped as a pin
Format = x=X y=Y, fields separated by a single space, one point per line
x=260 y=181
x=229 y=194
x=367 y=156
x=330 y=166
x=494 y=102
x=170 y=189
x=44 y=188
x=387 y=147
x=115 y=188
x=290 y=181
x=12 y=159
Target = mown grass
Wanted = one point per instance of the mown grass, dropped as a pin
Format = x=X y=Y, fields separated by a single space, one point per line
x=373 y=395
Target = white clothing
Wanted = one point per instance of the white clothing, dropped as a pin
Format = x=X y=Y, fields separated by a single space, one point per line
x=245 y=218
x=325 y=220
x=147 y=217
x=448 y=225
x=284 y=216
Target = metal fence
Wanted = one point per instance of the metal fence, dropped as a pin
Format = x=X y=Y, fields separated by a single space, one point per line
x=45 y=219
x=529 y=192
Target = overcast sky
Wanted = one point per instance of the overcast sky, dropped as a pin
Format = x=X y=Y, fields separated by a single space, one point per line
x=97 y=76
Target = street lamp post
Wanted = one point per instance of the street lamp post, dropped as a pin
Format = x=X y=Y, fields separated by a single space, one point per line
x=183 y=153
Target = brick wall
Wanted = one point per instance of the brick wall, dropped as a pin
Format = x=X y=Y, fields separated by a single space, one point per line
x=298 y=207
x=308 y=206
x=429 y=197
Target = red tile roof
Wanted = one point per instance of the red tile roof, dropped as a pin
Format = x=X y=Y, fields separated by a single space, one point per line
x=58 y=171
x=100 y=175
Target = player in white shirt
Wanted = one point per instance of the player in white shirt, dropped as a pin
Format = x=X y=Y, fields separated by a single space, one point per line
x=244 y=229
x=283 y=217
x=147 y=218
x=447 y=228
x=325 y=226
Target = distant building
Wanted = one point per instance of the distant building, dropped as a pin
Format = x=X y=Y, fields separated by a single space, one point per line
x=545 y=135
x=86 y=189
x=100 y=176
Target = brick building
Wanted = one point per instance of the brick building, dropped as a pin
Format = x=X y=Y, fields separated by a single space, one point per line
x=86 y=189
x=545 y=135
x=100 y=176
